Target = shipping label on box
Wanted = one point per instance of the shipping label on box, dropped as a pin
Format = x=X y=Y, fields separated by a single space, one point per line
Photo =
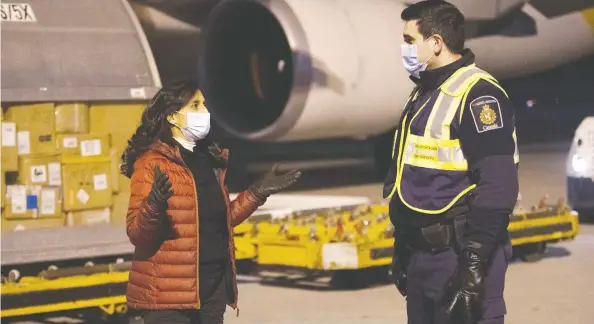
x=9 y=134
x=72 y=118
x=29 y=201
x=83 y=147
x=87 y=185
x=40 y=170
x=35 y=128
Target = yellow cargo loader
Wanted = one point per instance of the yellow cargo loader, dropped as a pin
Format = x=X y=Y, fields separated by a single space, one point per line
x=349 y=238
x=354 y=243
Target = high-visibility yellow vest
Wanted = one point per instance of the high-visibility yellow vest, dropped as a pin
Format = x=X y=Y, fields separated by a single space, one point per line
x=431 y=169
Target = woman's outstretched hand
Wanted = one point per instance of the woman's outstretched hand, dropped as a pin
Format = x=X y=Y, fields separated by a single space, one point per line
x=272 y=182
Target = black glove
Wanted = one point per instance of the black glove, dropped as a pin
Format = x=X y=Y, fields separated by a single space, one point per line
x=217 y=154
x=160 y=191
x=464 y=292
x=272 y=183
x=399 y=275
x=400 y=262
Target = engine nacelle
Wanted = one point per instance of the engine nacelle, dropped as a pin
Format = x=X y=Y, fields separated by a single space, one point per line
x=297 y=70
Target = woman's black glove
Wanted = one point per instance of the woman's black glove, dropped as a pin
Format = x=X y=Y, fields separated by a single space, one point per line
x=272 y=183
x=217 y=155
x=160 y=191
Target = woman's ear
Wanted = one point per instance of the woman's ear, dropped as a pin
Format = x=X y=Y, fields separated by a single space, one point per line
x=172 y=119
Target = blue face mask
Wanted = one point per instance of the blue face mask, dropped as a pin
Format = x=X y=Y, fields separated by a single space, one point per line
x=410 y=60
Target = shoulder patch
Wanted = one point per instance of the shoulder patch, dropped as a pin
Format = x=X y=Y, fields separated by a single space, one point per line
x=486 y=113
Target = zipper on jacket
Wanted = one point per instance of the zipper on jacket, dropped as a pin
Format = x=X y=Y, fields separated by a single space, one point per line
x=197 y=236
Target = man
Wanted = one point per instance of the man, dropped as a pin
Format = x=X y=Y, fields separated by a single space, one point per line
x=453 y=182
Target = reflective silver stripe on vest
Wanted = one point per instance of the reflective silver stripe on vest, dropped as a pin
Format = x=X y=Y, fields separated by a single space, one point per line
x=453 y=87
x=441 y=107
x=444 y=102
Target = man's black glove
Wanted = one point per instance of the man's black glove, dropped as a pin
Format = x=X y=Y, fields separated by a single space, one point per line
x=400 y=260
x=160 y=191
x=272 y=183
x=464 y=292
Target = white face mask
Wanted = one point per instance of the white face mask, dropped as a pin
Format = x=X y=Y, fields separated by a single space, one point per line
x=198 y=126
x=410 y=60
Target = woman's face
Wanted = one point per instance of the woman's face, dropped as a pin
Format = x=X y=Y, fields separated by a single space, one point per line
x=196 y=104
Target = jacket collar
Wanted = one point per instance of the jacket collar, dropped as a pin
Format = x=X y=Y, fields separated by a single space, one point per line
x=432 y=79
x=173 y=153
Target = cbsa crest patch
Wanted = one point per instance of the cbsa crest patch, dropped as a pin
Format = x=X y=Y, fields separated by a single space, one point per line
x=486 y=113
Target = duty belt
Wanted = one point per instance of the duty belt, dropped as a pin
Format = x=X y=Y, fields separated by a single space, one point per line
x=440 y=237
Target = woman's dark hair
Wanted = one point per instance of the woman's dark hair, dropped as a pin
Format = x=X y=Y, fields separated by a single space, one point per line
x=154 y=124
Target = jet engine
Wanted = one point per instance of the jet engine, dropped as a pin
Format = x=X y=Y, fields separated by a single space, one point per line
x=299 y=70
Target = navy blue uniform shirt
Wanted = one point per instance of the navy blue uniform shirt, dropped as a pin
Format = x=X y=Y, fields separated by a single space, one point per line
x=489 y=149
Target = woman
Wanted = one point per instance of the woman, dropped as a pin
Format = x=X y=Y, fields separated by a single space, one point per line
x=180 y=218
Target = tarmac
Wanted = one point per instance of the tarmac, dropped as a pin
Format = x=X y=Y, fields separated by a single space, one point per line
x=557 y=289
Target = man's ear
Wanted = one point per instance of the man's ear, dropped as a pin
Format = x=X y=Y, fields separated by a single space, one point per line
x=439 y=45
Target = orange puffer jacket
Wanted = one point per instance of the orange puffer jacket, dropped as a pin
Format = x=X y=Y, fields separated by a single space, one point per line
x=164 y=272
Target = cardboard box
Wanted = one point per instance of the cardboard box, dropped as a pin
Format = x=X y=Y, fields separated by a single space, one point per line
x=30 y=201
x=40 y=170
x=10 y=159
x=83 y=147
x=72 y=118
x=88 y=217
x=87 y=185
x=35 y=128
x=8 y=178
x=119 y=209
x=121 y=183
x=120 y=121
x=2 y=189
x=13 y=225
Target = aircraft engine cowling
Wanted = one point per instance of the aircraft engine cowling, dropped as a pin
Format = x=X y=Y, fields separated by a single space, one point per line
x=280 y=70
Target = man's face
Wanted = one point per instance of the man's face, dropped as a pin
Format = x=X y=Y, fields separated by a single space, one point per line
x=411 y=35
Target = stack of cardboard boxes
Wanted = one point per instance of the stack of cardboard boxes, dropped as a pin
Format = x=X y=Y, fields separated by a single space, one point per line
x=60 y=164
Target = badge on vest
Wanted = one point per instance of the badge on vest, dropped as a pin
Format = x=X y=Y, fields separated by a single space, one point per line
x=486 y=114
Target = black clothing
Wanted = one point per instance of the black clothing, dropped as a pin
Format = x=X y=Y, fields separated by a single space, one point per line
x=211 y=311
x=212 y=218
x=428 y=274
x=489 y=153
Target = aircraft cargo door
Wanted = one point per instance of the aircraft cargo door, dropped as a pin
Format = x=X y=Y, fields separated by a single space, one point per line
x=74 y=50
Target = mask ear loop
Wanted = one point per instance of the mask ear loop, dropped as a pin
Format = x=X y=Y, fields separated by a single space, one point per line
x=430 y=57
x=176 y=124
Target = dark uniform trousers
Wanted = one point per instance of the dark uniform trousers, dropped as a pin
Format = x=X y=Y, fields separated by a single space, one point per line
x=429 y=272
x=211 y=311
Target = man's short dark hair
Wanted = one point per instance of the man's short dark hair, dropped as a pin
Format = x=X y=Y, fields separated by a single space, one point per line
x=438 y=17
